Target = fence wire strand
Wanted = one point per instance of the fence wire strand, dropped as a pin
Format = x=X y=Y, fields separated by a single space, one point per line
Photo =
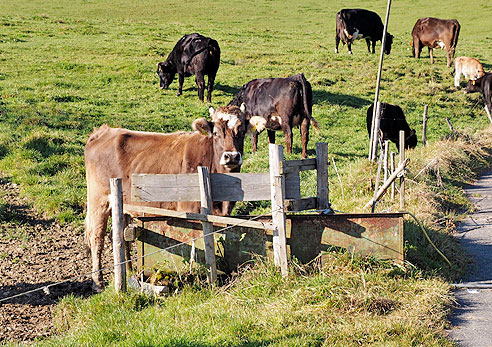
x=46 y=289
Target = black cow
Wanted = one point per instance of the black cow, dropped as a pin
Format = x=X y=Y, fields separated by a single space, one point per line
x=482 y=85
x=353 y=24
x=278 y=104
x=392 y=121
x=194 y=54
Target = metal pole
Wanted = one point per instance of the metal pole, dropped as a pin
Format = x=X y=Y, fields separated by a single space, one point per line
x=376 y=96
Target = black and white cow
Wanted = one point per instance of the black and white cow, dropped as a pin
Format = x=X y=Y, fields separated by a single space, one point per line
x=482 y=85
x=353 y=24
x=392 y=121
x=194 y=54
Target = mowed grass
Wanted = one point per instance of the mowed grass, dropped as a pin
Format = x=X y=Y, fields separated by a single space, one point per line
x=69 y=66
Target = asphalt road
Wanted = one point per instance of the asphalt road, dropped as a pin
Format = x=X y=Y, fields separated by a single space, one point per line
x=472 y=317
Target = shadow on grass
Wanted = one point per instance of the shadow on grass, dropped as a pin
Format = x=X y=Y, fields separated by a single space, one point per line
x=321 y=96
x=231 y=91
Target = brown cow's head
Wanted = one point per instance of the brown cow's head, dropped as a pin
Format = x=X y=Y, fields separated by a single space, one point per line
x=166 y=74
x=227 y=128
x=389 y=42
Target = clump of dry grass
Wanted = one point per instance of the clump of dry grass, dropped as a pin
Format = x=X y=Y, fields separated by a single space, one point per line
x=435 y=183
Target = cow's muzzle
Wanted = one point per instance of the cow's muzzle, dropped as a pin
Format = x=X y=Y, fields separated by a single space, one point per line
x=231 y=159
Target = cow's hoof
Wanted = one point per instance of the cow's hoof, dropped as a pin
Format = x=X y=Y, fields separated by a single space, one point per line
x=178 y=94
x=350 y=52
x=96 y=288
x=336 y=50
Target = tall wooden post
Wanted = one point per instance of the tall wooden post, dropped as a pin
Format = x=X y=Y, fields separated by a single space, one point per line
x=402 y=178
x=424 y=125
x=117 y=225
x=208 y=228
x=378 y=79
x=322 y=175
x=375 y=135
x=277 y=180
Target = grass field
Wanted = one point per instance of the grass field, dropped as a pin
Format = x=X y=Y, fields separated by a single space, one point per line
x=69 y=66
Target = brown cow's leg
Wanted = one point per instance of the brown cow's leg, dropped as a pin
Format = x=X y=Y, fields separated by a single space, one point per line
x=337 y=42
x=304 y=136
x=96 y=223
x=368 y=42
x=349 y=46
x=254 y=140
x=287 y=129
x=416 y=48
x=431 y=54
x=449 y=56
x=200 y=82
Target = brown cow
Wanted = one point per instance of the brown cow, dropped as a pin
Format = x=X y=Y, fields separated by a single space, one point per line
x=433 y=33
x=469 y=67
x=115 y=152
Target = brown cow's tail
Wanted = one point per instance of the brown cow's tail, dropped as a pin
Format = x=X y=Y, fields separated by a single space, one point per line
x=307 y=100
x=456 y=33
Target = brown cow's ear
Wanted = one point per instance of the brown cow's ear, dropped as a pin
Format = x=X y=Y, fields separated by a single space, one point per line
x=202 y=126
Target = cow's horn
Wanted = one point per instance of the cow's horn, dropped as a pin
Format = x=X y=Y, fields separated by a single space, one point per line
x=211 y=111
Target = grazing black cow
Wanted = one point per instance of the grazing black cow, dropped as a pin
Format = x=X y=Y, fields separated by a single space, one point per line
x=194 y=54
x=482 y=85
x=278 y=104
x=433 y=33
x=353 y=24
x=392 y=121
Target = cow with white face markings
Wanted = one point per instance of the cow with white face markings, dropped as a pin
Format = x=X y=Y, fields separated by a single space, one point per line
x=278 y=104
x=468 y=67
x=356 y=24
x=116 y=152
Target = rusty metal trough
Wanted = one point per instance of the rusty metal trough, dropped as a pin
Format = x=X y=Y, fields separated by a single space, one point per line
x=308 y=235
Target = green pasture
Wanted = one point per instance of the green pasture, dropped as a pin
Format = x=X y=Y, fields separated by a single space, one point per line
x=67 y=67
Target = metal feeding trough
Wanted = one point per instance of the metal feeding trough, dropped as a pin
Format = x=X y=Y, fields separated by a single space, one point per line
x=174 y=237
x=308 y=235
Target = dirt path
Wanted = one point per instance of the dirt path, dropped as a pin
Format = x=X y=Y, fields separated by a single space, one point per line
x=472 y=318
x=35 y=252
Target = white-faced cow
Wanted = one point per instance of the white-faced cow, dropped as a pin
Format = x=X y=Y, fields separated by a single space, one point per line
x=484 y=86
x=194 y=54
x=278 y=104
x=354 y=24
x=434 y=33
x=115 y=152
x=469 y=67
x=392 y=121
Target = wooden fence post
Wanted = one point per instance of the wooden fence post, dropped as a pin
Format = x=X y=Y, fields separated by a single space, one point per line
x=208 y=228
x=322 y=175
x=402 y=178
x=392 y=164
x=117 y=224
x=424 y=125
x=385 y=160
x=277 y=180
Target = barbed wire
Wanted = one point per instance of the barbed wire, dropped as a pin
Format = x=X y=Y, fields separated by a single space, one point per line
x=46 y=288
